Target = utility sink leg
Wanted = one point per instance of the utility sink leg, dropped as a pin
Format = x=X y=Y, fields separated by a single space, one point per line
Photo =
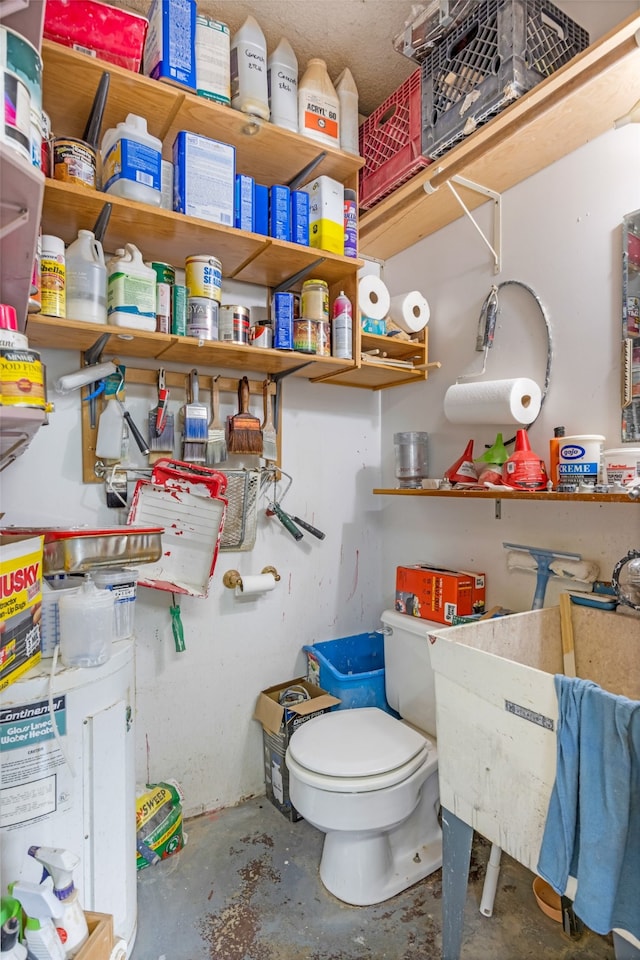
x=456 y=857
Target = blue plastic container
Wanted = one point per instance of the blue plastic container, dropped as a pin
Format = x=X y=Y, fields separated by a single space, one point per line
x=351 y=668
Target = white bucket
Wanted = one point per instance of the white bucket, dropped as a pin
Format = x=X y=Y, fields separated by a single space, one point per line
x=580 y=459
x=621 y=465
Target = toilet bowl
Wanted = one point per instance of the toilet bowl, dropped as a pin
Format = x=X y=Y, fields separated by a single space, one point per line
x=370 y=783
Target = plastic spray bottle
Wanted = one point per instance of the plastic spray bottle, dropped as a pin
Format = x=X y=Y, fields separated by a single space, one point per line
x=70 y=919
x=40 y=904
x=10 y=949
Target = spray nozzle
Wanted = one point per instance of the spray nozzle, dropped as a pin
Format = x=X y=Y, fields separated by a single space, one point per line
x=58 y=864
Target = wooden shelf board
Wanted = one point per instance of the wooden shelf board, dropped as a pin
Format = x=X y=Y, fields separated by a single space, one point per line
x=394 y=347
x=510 y=495
x=372 y=377
x=573 y=106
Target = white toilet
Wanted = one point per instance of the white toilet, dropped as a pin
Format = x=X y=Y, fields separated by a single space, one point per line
x=370 y=782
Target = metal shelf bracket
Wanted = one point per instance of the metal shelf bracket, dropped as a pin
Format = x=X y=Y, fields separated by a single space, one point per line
x=22 y=217
x=495 y=248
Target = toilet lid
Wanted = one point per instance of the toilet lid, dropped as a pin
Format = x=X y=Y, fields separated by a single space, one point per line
x=363 y=742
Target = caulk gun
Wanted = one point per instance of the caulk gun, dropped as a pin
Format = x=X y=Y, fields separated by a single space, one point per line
x=70 y=920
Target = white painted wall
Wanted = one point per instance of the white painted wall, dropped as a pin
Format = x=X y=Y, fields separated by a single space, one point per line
x=562 y=237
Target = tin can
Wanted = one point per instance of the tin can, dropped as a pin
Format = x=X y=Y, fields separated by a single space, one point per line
x=233 y=324
x=262 y=335
x=74 y=161
x=323 y=337
x=203 y=277
x=163 y=307
x=315 y=300
x=53 y=300
x=178 y=310
x=46 y=152
x=21 y=60
x=283 y=321
x=22 y=379
x=202 y=318
x=165 y=272
x=305 y=338
x=15 y=129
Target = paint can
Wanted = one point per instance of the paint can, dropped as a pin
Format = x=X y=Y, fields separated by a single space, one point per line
x=203 y=277
x=163 y=307
x=15 y=131
x=21 y=59
x=165 y=272
x=74 y=161
x=262 y=335
x=22 y=379
x=202 y=318
x=621 y=465
x=179 y=310
x=233 y=325
x=53 y=277
x=580 y=459
x=46 y=151
x=305 y=336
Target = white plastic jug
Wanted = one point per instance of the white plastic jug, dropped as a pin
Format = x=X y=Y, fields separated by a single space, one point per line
x=348 y=97
x=282 y=76
x=86 y=625
x=249 y=90
x=86 y=288
x=132 y=162
x=319 y=105
x=131 y=290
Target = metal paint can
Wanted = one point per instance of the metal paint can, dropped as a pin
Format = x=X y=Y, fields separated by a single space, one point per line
x=203 y=277
x=305 y=337
x=262 y=335
x=22 y=379
x=178 y=310
x=165 y=272
x=23 y=61
x=74 y=161
x=202 y=318
x=46 y=151
x=15 y=130
x=233 y=324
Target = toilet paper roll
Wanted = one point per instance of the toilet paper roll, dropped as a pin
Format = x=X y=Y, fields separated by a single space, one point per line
x=256 y=584
x=410 y=311
x=373 y=298
x=493 y=401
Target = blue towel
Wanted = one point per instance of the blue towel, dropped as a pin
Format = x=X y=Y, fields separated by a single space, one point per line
x=593 y=821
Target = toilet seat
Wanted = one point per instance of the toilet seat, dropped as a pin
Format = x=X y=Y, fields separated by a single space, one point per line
x=357 y=751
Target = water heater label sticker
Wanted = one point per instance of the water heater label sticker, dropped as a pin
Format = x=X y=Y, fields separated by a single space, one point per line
x=529 y=715
x=36 y=780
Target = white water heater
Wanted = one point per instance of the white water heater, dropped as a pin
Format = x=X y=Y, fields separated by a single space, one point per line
x=73 y=787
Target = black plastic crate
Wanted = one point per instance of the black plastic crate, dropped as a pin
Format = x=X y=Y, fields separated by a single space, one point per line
x=502 y=50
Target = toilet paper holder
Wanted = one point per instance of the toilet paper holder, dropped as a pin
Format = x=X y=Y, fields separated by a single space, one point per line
x=233 y=579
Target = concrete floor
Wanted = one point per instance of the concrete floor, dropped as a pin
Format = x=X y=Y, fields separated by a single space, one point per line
x=246 y=887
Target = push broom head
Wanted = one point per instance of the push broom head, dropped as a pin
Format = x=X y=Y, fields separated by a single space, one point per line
x=245 y=433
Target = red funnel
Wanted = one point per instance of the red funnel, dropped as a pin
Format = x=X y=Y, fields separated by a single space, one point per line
x=524 y=470
x=463 y=470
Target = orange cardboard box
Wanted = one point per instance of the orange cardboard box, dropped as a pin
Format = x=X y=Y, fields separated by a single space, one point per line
x=434 y=593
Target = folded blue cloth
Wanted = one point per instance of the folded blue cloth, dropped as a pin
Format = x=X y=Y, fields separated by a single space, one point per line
x=593 y=821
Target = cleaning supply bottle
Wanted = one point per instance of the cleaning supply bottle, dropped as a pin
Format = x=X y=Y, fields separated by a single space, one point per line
x=348 y=96
x=554 y=455
x=70 y=919
x=319 y=105
x=131 y=290
x=524 y=469
x=132 y=162
x=342 y=328
x=282 y=78
x=10 y=949
x=249 y=88
x=86 y=287
x=40 y=905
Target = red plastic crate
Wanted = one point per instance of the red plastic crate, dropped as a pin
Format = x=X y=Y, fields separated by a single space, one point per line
x=391 y=143
x=90 y=26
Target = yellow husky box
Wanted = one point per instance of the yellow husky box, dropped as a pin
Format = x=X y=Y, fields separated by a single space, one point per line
x=20 y=606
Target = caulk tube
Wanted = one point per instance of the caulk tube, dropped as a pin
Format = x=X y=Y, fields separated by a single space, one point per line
x=81 y=378
x=70 y=919
x=40 y=905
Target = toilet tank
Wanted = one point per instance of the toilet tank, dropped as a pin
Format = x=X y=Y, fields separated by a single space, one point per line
x=409 y=682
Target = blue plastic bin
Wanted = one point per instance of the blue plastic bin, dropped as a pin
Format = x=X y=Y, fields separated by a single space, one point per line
x=351 y=668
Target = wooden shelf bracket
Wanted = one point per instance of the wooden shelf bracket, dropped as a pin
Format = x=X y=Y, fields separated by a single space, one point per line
x=495 y=247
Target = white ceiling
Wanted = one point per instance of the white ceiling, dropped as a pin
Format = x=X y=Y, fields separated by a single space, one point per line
x=359 y=33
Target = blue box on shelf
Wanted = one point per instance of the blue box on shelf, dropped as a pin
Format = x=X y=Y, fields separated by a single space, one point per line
x=351 y=668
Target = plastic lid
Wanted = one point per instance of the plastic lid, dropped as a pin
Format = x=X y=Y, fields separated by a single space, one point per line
x=355 y=743
x=558 y=431
x=112 y=575
x=8 y=317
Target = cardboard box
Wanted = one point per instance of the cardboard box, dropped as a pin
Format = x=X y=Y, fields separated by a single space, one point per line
x=20 y=605
x=326 y=214
x=100 y=943
x=170 y=49
x=278 y=724
x=204 y=178
x=432 y=593
x=97 y=29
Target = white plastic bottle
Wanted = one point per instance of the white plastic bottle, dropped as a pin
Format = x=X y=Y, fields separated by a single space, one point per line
x=131 y=162
x=86 y=286
x=319 y=105
x=131 y=290
x=249 y=89
x=282 y=76
x=348 y=97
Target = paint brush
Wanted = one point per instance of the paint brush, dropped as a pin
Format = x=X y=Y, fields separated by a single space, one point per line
x=269 y=443
x=244 y=431
x=195 y=426
x=217 y=441
x=161 y=425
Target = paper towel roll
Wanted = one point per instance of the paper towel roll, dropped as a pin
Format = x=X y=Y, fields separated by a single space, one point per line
x=493 y=401
x=373 y=298
x=410 y=311
x=256 y=584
